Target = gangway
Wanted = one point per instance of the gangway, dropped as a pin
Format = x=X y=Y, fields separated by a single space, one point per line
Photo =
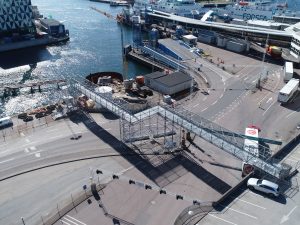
x=228 y=141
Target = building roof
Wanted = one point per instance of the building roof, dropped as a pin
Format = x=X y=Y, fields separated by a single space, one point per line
x=174 y=79
x=154 y=75
x=50 y=22
x=189 y=37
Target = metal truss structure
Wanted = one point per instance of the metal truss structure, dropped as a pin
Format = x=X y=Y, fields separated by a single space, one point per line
x=163 y=121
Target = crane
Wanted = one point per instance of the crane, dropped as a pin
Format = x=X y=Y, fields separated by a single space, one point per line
x=119 y=20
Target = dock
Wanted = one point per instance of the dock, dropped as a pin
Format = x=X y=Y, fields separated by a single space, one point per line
x=146 y=61
x=115 y=2
x=12 y=89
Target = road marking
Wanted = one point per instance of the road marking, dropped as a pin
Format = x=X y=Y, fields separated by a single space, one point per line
x=221 y=96
x=290 y=114
x=270 y=99
x=214 y=102
x=204 y=109
x=27 y=140
x=38 y=155
x=293 y=160
x=51 y=130
x=286 y=217
x=64 y=222
x=70 y=221
x=196 y=105
x=250 y=203
x=293 y=157
x=254 y=217
x=268 y=108
x=222 y=219
x=76 y=220
x=22 y=134
x=7 y=160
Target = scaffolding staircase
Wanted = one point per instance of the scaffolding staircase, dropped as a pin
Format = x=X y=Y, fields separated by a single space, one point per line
x=224 y=139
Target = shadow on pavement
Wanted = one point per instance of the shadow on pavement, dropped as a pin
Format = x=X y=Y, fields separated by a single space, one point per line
x=162 y=174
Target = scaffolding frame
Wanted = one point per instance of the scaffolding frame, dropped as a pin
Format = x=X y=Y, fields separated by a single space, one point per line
x=224 y=139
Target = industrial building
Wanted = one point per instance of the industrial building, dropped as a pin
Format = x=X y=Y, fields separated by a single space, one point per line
x=16 y=17
x=168 y=84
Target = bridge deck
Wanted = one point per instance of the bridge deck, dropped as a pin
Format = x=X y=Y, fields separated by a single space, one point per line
x=205 y=129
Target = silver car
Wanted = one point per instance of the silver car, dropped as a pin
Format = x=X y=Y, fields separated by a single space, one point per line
x=265 y=186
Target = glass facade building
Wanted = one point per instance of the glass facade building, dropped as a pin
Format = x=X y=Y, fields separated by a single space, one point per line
x=16 y=17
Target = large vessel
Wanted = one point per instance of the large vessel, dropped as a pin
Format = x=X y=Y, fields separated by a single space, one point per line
x=256 y=10
x=186 y=8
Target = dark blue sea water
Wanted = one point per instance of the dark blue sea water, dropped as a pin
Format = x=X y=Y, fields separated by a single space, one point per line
x=95 y=45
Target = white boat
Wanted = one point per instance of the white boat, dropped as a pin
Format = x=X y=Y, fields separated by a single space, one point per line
x=256 y=10
x=186 y=8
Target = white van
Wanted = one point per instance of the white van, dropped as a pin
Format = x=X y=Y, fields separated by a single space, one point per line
x=5 y=122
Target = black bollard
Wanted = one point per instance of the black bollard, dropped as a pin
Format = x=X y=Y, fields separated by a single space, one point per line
x=40 y=90
x=31 y=90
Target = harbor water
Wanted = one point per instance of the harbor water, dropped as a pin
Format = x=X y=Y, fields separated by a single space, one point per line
x=94 y=46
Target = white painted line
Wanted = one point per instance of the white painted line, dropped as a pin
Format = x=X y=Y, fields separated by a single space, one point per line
x=245 y=78
x=5 y=151
x=27 y=140
x=253 y=81
x=254 y=217
x=70 y=221
x=7 y=160
x=293 y=157
x=293 y=160
x=222 y=219
x=38 y=155
x=26 y=150
x=250 y=203
x=51 y=130
x=221 y=96
x=204 y=109
x=270 y=99
x=268 y=108
x=214 y=102
x=195 y=105
x=64 y=222
x=22 y=134
x=76 y=220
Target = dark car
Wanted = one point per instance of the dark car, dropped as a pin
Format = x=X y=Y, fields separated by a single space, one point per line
x=39 y=115
x=28 y=118
x=22 y=116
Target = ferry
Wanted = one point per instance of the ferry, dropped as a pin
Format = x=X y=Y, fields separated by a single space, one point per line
x=186 y=8
x=256 y=10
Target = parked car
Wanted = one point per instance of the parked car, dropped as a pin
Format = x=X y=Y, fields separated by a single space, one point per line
x=39 y=115
x=22 y=116
x=28 y=118
x=265 y=186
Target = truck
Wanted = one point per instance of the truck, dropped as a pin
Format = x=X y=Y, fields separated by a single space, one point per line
x=288 y=90
x=288 y=71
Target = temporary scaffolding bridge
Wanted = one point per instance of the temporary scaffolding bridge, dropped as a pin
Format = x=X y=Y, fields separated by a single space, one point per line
x=224 y=139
